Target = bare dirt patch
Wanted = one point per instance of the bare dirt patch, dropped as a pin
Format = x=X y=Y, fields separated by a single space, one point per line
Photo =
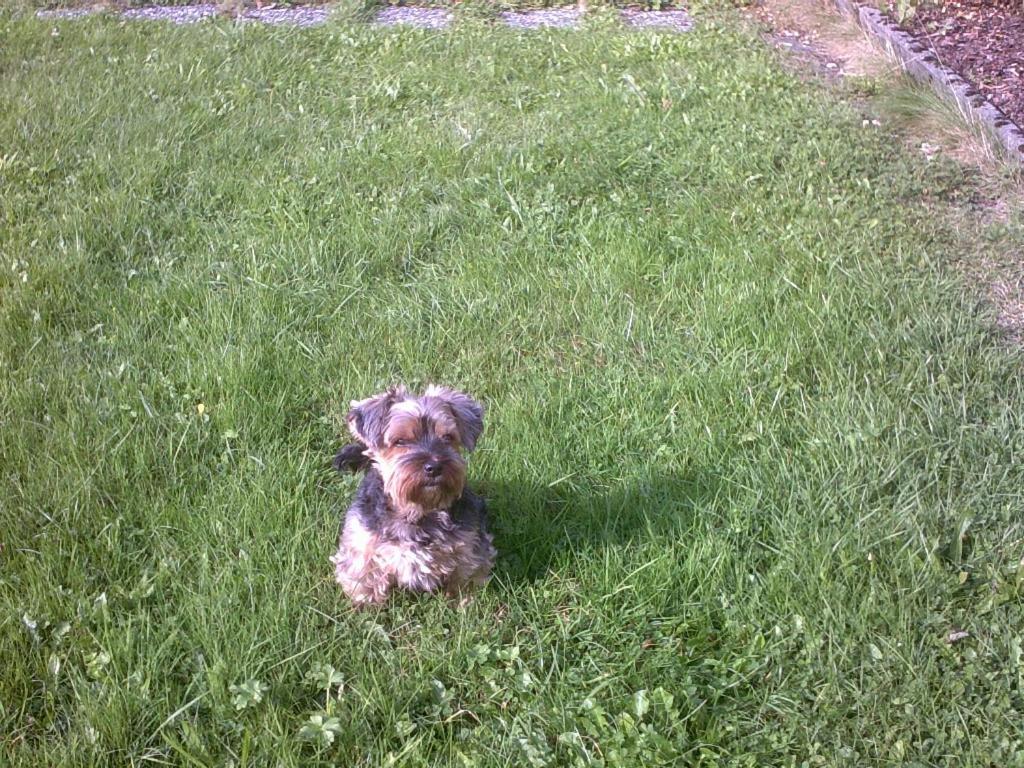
x=816 y=34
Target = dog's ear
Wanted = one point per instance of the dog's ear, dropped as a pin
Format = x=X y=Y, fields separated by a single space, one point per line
x=468 y=413
x=351 y=458
x=368 y=418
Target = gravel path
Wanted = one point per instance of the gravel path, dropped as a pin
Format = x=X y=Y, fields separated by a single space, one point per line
x=425 y=18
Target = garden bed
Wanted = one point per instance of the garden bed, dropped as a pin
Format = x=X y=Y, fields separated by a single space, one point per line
x=982 y=40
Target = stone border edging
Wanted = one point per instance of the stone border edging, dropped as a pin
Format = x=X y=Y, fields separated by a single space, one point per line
x=921 y=63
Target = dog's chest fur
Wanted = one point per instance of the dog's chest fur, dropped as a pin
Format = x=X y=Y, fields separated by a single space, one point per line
x=444 y=549
x=420 y=563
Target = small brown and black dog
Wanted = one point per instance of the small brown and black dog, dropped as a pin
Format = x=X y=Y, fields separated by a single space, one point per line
x=413 y=524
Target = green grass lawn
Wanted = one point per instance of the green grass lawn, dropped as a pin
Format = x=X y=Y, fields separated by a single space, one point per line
x=749 y=449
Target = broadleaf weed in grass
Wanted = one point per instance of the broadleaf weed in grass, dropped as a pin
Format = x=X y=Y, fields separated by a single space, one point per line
x=248 y=694
x=321 y=730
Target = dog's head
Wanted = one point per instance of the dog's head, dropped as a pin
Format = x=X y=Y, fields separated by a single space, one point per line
x=417 y=444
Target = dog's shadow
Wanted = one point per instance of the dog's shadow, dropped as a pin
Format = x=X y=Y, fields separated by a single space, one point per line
x=537 y=526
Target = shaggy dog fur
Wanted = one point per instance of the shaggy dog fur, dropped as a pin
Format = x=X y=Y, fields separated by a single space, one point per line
x=413 y=523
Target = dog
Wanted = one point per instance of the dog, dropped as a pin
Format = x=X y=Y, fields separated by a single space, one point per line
x=414 y=524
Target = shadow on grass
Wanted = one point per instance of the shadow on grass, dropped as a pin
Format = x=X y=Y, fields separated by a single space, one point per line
x=538 y=527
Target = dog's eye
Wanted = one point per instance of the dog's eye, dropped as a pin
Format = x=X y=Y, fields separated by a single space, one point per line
x=448 y=438
x=402 y=442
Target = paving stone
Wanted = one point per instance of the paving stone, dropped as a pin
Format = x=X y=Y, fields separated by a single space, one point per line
x=179 y=14
x=546 y=17
x=306 y=16
x=567 y=17
x=425 y=18
x=678 y=21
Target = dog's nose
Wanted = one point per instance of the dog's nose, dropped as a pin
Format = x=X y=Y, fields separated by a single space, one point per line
x=432 y=468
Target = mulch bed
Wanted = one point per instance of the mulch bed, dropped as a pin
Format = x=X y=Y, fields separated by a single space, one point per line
x=982 y=40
